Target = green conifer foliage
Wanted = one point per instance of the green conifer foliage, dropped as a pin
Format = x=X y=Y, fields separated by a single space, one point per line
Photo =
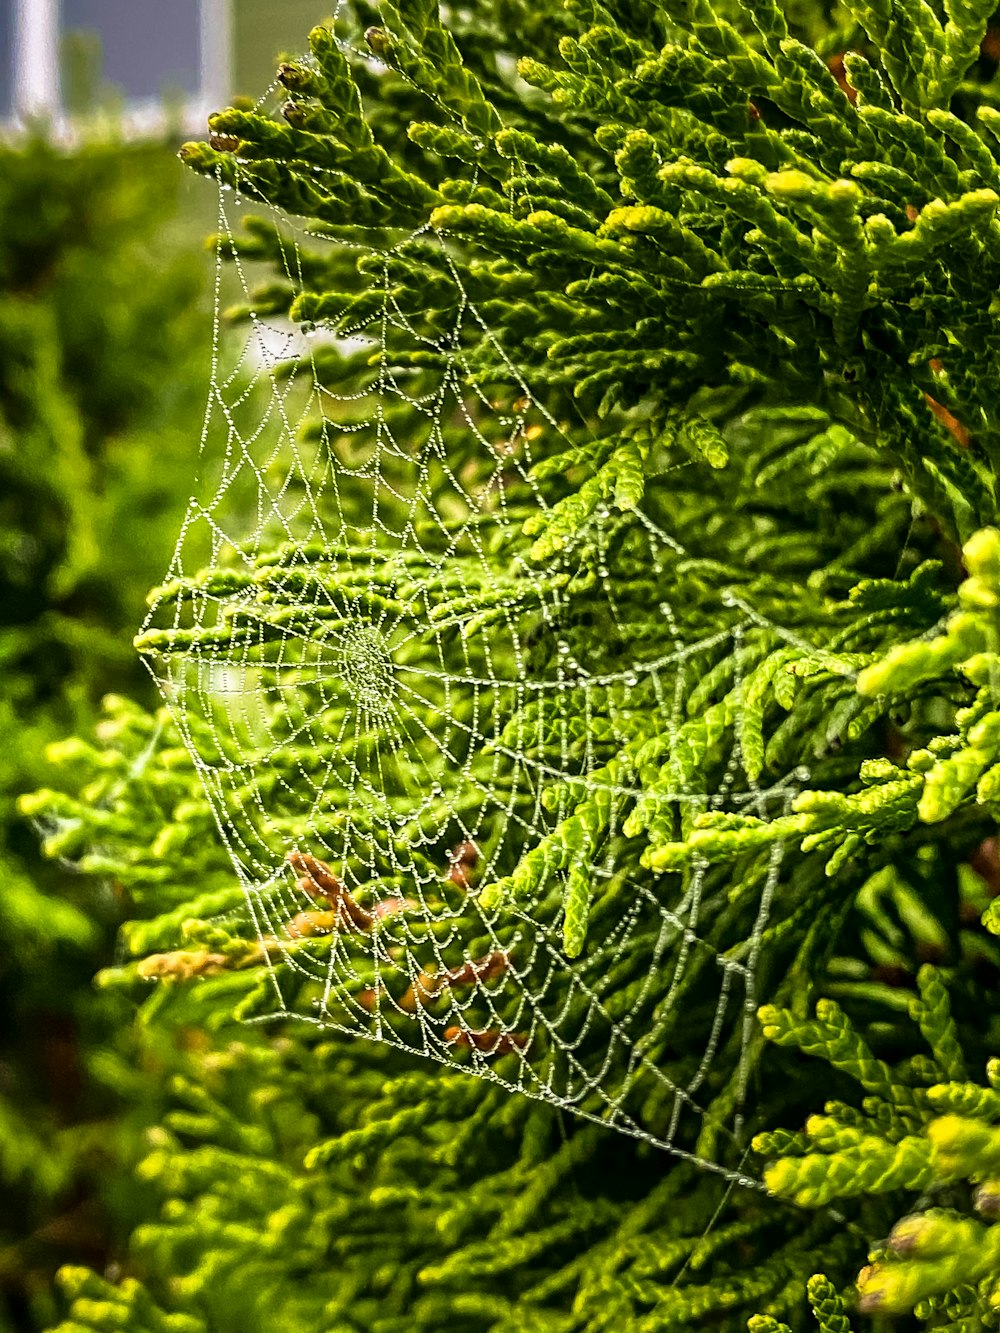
x=924 y=1131
x=100 y=290
x=754 y=305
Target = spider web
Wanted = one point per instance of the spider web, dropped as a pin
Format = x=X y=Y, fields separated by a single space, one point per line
x=390 y=708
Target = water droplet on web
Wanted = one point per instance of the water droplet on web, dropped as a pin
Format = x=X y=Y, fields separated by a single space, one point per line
x=603 y=571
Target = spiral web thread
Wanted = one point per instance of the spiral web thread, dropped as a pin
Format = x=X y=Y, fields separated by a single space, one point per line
x=362 y=675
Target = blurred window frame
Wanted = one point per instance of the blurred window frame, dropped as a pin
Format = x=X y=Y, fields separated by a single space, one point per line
x=37 y=31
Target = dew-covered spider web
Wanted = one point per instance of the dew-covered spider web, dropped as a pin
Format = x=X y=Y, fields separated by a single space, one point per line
x=425 y=740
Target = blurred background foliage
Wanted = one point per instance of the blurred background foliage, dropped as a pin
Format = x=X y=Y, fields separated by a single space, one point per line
x=105 y=329
x=105 y=337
